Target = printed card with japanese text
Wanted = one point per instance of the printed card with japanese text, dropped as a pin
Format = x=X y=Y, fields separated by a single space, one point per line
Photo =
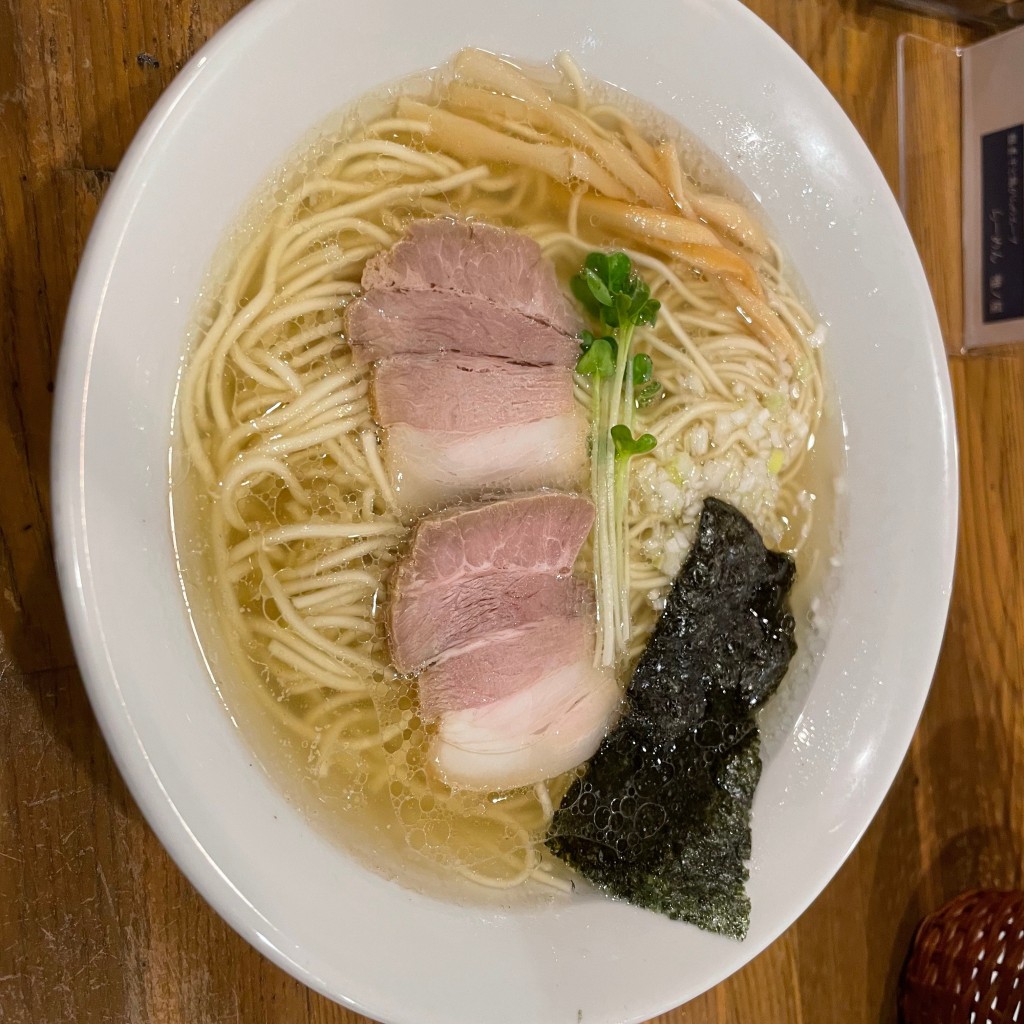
x=993 y=232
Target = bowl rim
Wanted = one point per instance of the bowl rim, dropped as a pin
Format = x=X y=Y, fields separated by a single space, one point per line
x=75 y=568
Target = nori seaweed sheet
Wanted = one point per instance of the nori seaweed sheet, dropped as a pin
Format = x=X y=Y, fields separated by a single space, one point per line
x=662 y=816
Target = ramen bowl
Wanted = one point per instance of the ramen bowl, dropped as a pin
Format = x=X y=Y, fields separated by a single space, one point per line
x=386 y=949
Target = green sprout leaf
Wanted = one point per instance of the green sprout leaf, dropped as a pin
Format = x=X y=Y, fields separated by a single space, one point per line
x=643 y=368
x=598 y=360
x=598 y=288
x=620 y=268
x=610 y=291
x=626 y=445
x=647 y=313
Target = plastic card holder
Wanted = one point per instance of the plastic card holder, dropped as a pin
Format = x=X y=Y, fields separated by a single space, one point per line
x=961 y=138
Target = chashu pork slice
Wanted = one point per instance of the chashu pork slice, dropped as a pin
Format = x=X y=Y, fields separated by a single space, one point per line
x=389 y=322
x=468 y=393
x=503 y=267
x=501 y=663
x=536 y=532
x=523 y=708
x=460 y=426
x=473 y=572
x=465 y=612
x=431 y=468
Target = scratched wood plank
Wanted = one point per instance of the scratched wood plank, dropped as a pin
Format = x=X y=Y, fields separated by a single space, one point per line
x=96 y=923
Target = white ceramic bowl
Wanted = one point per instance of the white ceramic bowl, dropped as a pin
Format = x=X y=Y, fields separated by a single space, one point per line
x=230 y=117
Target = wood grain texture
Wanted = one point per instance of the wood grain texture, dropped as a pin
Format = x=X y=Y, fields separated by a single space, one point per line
x=96 y=923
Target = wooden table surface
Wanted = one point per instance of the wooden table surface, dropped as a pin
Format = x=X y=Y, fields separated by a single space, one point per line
x=96 y=922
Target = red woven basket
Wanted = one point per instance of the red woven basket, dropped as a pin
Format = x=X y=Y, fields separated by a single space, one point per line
x=966 y=964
